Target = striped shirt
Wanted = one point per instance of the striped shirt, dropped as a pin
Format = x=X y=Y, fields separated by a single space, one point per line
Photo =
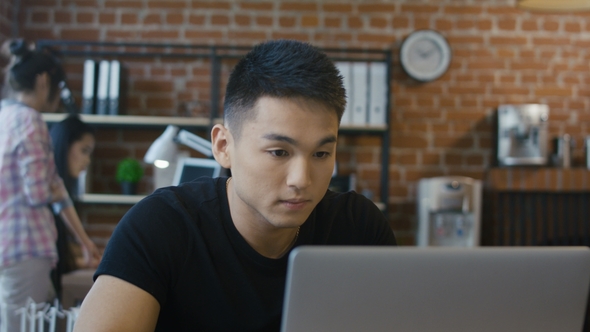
x=27 y=170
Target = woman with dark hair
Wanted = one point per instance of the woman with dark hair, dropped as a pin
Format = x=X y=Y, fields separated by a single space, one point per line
x=73 y=143
x=29 y=181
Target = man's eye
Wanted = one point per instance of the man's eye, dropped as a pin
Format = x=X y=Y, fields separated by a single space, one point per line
x=278 y=153
x=322 y=154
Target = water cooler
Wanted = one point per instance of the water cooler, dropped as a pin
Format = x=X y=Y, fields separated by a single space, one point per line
x=449 y=211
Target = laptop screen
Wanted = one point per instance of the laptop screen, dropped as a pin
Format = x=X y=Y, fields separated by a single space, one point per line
x=189 y=169
x=436 y=289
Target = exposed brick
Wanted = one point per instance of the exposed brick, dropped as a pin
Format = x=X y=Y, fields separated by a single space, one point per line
x=152 y=19
x=550 y=26
x=79 y=34
x=168 y=5
x=337 y=7
x=160 y=34
x=333 y=22
x=264 y=20
x=131 y=4
x=62 y=17
x=354 y=22
x=423 y=9
x=378 y=22
x=175 y=18
x=298 y=6
x=383 y=8
x=85 y=18
x=106 y=18
x=127 y=18
x=287 y=22
x=529 y=25
x=443 y=25
x=550 y=41
x=219 y=20
x=309 y=21
x=247 y=35
x=242 y=20
x=553 y=91
x=205 y=4
x=195 y=19
x=507 y=24
x=400 y=22
x=40 y=17
x=258 y=6
x=508 y=40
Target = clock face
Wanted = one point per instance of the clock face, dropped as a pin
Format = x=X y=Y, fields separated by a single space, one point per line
x=425 y=55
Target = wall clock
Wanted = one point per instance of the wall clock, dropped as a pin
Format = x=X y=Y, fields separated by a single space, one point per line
x=425 y=55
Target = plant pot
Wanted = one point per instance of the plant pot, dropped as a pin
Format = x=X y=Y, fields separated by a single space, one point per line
x=128 y=188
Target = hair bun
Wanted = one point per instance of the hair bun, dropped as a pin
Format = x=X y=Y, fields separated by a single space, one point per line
x=19 y=48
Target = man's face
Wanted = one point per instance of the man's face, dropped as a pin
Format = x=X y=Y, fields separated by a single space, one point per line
x=282 y=162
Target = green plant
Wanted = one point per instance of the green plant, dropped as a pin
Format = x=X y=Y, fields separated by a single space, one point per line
x=129 y=170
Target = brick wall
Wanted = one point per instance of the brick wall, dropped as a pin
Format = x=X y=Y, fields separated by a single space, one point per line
x=500 y=55
x=6 y=10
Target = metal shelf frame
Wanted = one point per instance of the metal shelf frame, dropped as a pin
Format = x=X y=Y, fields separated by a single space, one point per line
x=216 y=54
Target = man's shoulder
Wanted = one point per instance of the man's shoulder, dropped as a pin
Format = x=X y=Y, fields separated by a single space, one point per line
x=187 y=196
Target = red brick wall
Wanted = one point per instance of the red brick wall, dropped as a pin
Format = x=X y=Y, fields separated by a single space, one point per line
x=500 y=55
x=6 y=10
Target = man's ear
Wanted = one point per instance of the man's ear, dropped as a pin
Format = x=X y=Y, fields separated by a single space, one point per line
x=221 y=140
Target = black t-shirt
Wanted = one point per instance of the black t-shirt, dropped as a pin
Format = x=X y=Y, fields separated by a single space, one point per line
x=180 y=245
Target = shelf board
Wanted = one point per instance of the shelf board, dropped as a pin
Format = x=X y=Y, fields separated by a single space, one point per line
x=110 y=199
x=135 y=120
x=365 y=128
x=140 y=120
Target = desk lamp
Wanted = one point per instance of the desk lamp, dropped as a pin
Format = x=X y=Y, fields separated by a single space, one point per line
x=164 y=149
x=163 y=153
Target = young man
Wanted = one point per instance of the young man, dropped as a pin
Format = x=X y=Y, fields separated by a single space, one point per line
x=211 y=255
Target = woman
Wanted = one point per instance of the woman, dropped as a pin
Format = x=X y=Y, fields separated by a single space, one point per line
x=73 y=143
x=29 y=181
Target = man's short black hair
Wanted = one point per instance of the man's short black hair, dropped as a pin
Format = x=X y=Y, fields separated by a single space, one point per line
x=282 y=69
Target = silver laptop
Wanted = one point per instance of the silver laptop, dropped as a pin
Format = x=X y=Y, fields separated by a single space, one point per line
x=436 y=289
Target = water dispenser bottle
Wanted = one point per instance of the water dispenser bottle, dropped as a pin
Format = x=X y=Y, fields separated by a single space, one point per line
x=449 y=212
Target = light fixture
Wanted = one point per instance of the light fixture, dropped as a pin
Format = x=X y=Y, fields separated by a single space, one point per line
x=164 y=150
x=555 y=5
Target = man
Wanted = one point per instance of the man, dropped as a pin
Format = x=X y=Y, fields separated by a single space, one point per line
x=211 y=255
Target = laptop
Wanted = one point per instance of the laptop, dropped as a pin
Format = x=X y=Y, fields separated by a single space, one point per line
x=346 y=288
x=189 y=169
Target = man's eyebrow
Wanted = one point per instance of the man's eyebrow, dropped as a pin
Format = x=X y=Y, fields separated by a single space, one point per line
x=287 y=139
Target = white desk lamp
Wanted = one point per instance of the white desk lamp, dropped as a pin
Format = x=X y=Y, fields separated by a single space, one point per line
x=164 y=149
x=163 y=153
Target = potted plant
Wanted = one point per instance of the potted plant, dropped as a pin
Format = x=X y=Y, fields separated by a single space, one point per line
x=129 y=172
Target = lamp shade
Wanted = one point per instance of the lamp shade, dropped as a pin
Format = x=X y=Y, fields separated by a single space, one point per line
x=164 y=149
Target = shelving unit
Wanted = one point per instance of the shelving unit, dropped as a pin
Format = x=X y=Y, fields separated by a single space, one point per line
x=135 y=120
x=215 y=55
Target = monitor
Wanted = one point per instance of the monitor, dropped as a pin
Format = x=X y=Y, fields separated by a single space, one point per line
x=189 y=169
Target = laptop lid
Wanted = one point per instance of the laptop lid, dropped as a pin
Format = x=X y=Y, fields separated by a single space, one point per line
x=436 y=289
x=189 y=169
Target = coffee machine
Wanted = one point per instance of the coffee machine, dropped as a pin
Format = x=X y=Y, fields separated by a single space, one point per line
x=522 y=134
x=449 y=211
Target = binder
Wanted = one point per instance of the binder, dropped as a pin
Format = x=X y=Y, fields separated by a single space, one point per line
x=88 y=87
x=345 y=71
x=359 y=93
x=377 y=93
x=102 y=92
x=114 y=85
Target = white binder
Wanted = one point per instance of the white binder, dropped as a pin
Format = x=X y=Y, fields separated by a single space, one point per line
x=345 y=71
x=102 y=93
x=88 y=86
x=378 y=93
x=114 y=85
x=359 y=92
